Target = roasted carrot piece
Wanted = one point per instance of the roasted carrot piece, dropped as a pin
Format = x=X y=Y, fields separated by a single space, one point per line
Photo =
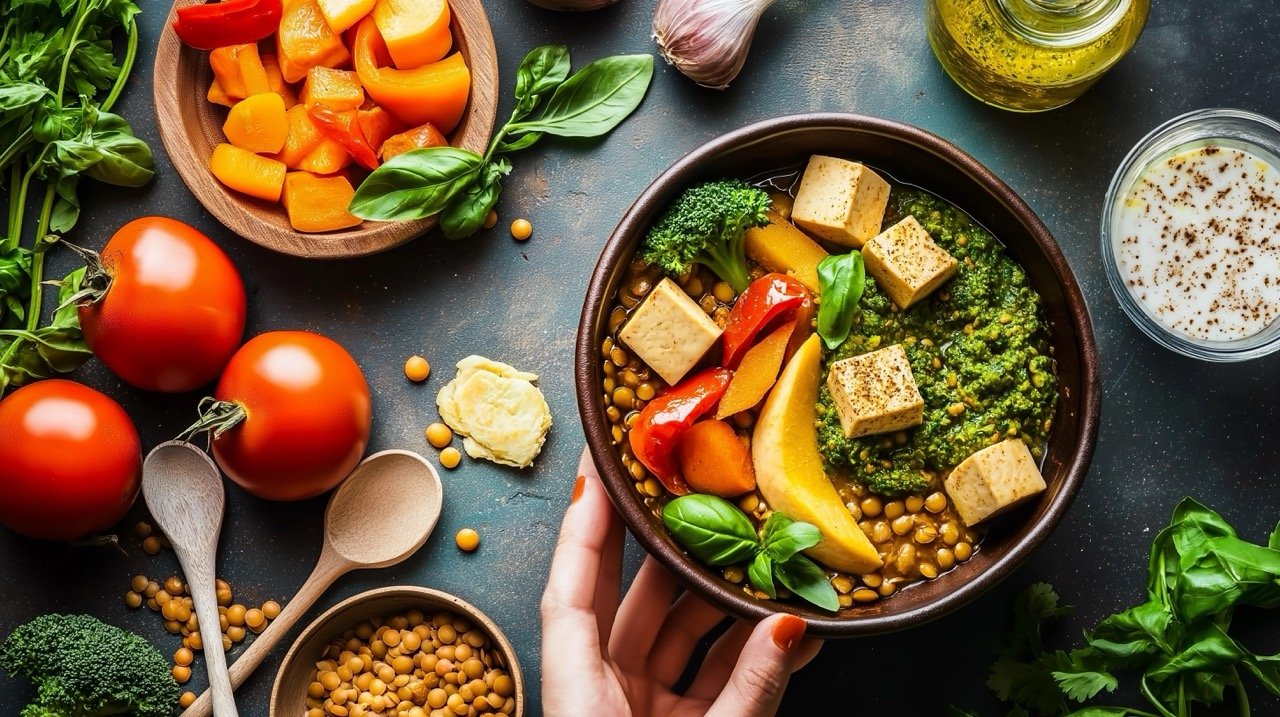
x=419 y=137
x=276 y=79
x=305 y=40
x=337 y=89
x=342 y=14
x=416 y=31
x=303 y=137
x=252 y=70
x=318 y=204
x=328 y=157
x=757 y=372
x=714 y=460
x=218 y=96
x=244 y=171
x=258 y=123
x=435 y=93
x=377 y=125
x=226 y=71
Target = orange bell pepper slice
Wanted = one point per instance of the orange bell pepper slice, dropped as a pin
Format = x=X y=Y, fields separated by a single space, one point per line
x=417 y=138
x=435 y=93
x=416 y=31
x=244 y=171
x=343 y=127
x=336 y=89
x=318 y=204
x=305 y=40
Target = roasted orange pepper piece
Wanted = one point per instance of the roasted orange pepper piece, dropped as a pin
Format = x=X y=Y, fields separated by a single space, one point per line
x=435 y=93
x=344 y=128
x=417 y=138
x=336 y=89
x=318 y=204
x=244 y=171
x=377 y=125
x=302 y=139
x=416 y=31
x=305 y=40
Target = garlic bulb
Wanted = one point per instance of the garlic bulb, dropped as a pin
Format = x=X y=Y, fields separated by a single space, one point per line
x=707 y=40
x=573 y=5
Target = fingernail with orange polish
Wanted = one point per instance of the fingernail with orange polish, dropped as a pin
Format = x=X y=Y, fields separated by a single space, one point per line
x=578 y=485
x=788 y=631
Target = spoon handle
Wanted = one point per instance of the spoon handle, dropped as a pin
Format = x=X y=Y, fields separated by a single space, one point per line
x=328 y=569
x=200 y=580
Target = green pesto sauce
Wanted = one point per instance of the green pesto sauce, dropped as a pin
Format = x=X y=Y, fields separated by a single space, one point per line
x=980 y=342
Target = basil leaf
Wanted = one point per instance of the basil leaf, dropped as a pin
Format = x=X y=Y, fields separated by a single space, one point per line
x=124 y=160
x=841 y=280
x=784 y=537
x=466 y=213
x=1274 y=541
x=803 y=577
x=21 y=96
x=415 y=184
x=524 y=141
x=711 y=528
x=595 y=99
x=760 y=572
x=542 y=70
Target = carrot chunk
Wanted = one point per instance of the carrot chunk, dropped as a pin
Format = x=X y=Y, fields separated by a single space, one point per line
x=318 y=204
x=419 y=137
x=305 y=40
x=337 y=89
x=416 y=31
x=258 y=123
x=246 y=172
x=714 y=460
x=303 y=137
x=328 y=157
x=342 y=14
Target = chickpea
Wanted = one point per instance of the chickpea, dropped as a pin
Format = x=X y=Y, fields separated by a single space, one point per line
x=152 y=546
x=181 y=674
x=187 y=699
x=139 y=583
x=439 y=435
x=236 y=615
x=183 y=657
x=450 y=457
x=142 y=529
x=521 y=229
x=416 y=369
x=173 y=585
x=255 y=620
x=467 y=539
x=132 y=600
x=491 y=219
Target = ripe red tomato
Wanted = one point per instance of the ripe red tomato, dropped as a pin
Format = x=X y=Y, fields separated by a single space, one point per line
x=70 y=460
x=173 y=309
x=307 y=415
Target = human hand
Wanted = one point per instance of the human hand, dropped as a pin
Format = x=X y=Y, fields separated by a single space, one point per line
x=605 y=658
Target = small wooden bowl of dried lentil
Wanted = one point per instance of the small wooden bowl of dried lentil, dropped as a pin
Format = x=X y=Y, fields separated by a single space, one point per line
x=400 y=652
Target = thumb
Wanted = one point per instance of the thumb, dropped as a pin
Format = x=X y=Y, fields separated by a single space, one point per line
x=775 y=649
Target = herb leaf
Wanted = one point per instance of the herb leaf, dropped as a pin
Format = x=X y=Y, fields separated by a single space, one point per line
x=542 y=70
x=711 y=528
x=760 y=573
x=416 y=184
x=784 y=537
x=466 y=212
x=803 y=577
x=595 y=99
x=841 y=281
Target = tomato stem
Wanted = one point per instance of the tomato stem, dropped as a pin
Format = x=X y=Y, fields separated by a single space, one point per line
x=96 y=280
x=216 y=417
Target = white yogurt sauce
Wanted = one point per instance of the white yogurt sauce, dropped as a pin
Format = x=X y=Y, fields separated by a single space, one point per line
x=1197 y=242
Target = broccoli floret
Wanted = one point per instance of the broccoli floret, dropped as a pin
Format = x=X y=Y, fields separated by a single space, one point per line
x=83 y=667
x=707 y=225
x=894 y=482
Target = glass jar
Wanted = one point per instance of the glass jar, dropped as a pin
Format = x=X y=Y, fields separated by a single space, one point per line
x=1031 y=55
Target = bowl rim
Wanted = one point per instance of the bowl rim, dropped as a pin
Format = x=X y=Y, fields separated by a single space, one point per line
x=1230 y=127
x=469 y=20
x=412 y=591
x=607 y=461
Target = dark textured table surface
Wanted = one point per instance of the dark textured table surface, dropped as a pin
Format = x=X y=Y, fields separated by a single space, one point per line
x=1171 y=426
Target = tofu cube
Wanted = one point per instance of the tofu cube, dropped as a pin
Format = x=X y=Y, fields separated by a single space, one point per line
x=875 y=393
x=906 y=263
x=670 y=332
x=840 y=201
x=992 y=480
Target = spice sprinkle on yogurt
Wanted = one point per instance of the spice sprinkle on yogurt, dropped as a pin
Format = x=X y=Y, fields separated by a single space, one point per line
x=1197 y=242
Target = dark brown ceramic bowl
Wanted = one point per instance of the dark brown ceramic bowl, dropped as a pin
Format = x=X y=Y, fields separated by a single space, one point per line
x=916 y=157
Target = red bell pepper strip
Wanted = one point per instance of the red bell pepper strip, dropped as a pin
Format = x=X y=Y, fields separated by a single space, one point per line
x=344 y=128
x=662 y=422
x=230 y=22
x=768 y=298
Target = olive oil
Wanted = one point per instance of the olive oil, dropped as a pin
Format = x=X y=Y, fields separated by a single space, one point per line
x=1031 y=55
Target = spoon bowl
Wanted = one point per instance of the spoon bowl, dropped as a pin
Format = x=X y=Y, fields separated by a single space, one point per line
x=409 y=497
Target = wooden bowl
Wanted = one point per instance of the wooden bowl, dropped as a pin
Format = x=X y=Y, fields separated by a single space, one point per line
x=191 y=126
x=289 y=693
x=912 y=156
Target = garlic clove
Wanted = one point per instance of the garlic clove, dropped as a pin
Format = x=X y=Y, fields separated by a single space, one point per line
x=573 y=5
x=707 y=40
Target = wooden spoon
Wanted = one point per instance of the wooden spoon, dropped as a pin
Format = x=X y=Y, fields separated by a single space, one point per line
x=405 y=491
x=183 y=490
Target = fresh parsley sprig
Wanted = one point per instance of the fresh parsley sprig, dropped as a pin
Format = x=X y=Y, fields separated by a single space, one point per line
x=463 y=186
x=720 y=534
x=1178 y=641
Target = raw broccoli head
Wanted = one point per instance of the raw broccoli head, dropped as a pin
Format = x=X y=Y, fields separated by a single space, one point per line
x=83 y=667
x=707 y=225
